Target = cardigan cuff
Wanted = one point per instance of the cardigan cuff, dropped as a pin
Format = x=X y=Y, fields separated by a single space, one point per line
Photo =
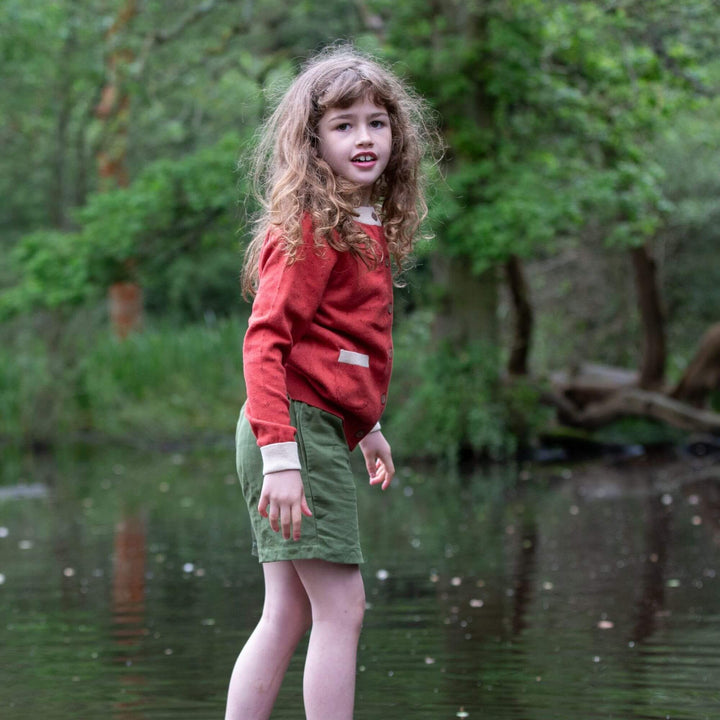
x=280 y=456
x=375 y=427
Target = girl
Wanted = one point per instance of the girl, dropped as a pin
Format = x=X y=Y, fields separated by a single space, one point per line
x=339 y=170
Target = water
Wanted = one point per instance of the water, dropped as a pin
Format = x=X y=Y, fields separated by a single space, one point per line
x=127 y=589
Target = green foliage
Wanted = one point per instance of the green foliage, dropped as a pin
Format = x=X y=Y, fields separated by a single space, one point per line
x=174 y=229
x=569 y=125
x=549 y=110
x=452 y=400
x=688 y=153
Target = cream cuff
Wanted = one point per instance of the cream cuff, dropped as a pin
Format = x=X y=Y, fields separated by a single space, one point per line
x=280 y=456
x=375 y=427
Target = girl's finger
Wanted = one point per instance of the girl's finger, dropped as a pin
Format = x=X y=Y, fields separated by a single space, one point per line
x=285 y=520
x=273 y=515
x=296 y=521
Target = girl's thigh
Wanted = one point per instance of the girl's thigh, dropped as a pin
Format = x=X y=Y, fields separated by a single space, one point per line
x=332 y=588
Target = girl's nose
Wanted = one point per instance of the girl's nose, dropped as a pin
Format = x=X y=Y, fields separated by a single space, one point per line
x=363 y=136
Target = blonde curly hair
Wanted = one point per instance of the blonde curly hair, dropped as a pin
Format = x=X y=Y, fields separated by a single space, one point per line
x=292 y=180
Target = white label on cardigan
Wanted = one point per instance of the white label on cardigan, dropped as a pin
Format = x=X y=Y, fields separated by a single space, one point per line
x=352 y=358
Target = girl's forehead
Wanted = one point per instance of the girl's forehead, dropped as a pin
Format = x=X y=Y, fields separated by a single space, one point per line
x=366 y=103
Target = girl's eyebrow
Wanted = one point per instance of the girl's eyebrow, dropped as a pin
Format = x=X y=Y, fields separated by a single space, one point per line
x=346 y=116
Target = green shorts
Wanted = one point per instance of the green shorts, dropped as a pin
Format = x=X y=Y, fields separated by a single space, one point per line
x=332 y=532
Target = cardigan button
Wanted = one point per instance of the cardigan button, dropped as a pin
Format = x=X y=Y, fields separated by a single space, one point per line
x=360 y=434
x=383 y=398
x=389 y=308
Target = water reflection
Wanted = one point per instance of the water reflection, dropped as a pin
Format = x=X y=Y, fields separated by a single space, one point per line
x=129 y=609
x=126 y=588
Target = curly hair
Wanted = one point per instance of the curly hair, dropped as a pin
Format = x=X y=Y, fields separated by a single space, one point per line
x=292 y=180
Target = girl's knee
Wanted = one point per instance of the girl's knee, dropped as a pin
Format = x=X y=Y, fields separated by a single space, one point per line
x=356 y=609
x=347 y=607
x=290 y=616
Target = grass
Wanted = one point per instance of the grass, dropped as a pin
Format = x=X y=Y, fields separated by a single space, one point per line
x=165 y=382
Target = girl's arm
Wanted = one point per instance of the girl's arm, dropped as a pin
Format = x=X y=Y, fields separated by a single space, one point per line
x=288 y=297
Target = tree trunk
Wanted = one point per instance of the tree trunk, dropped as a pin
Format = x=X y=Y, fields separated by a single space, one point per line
x=114 y=106
x=652 y=369
x=126 y=308
x=702 y=375
x=114 y=112
x=523 y=320
x=467 y=309
x=57 y=202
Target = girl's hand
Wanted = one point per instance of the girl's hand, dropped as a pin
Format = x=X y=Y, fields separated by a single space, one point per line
x=378 y=459
x=282 y=501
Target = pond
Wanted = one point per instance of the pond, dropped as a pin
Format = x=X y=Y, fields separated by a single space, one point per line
x=526 y=593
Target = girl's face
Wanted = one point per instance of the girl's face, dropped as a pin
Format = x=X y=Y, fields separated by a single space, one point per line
x=355 y=142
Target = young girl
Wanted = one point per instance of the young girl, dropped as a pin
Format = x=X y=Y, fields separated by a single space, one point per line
x=339 y=167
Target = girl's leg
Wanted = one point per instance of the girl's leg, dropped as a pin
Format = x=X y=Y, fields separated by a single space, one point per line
x=261 y=666
x=337 y=598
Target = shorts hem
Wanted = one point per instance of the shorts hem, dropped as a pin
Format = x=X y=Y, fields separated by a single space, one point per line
x=311 y=554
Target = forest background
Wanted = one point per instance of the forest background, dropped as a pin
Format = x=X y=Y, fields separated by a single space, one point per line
x=575 y=213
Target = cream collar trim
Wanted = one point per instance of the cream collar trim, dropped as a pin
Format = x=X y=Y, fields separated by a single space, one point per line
x=367 y=215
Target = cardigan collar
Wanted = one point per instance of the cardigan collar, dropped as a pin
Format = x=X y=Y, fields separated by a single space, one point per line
x=367 y=215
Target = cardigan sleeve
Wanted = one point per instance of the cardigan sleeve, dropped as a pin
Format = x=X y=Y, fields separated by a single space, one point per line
x=288 y=296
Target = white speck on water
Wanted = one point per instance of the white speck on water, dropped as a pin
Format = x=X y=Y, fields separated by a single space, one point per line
x=606 y=625
x=547 y=585
x=574 y=510
x=25 y=544
x=476 y=602
x=2 y=579
x=382 y=574
x=69 y=572
x=4 y=532
x=673 y=583
x=429 y=661
x=696 y=520
x=666 y=499
x=456 y=581
x=188 y=567
x=596 y=659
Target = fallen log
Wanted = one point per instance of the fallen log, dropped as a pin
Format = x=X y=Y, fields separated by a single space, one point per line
x=590 y=383
x=633 y=402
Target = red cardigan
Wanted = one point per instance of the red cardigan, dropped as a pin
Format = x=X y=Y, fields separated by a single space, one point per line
x=319 y=332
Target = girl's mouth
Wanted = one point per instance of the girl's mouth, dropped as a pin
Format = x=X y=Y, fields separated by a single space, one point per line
x=365 y=158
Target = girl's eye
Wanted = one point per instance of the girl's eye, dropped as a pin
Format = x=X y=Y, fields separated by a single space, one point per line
x=343 y=126
x=377 y=124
